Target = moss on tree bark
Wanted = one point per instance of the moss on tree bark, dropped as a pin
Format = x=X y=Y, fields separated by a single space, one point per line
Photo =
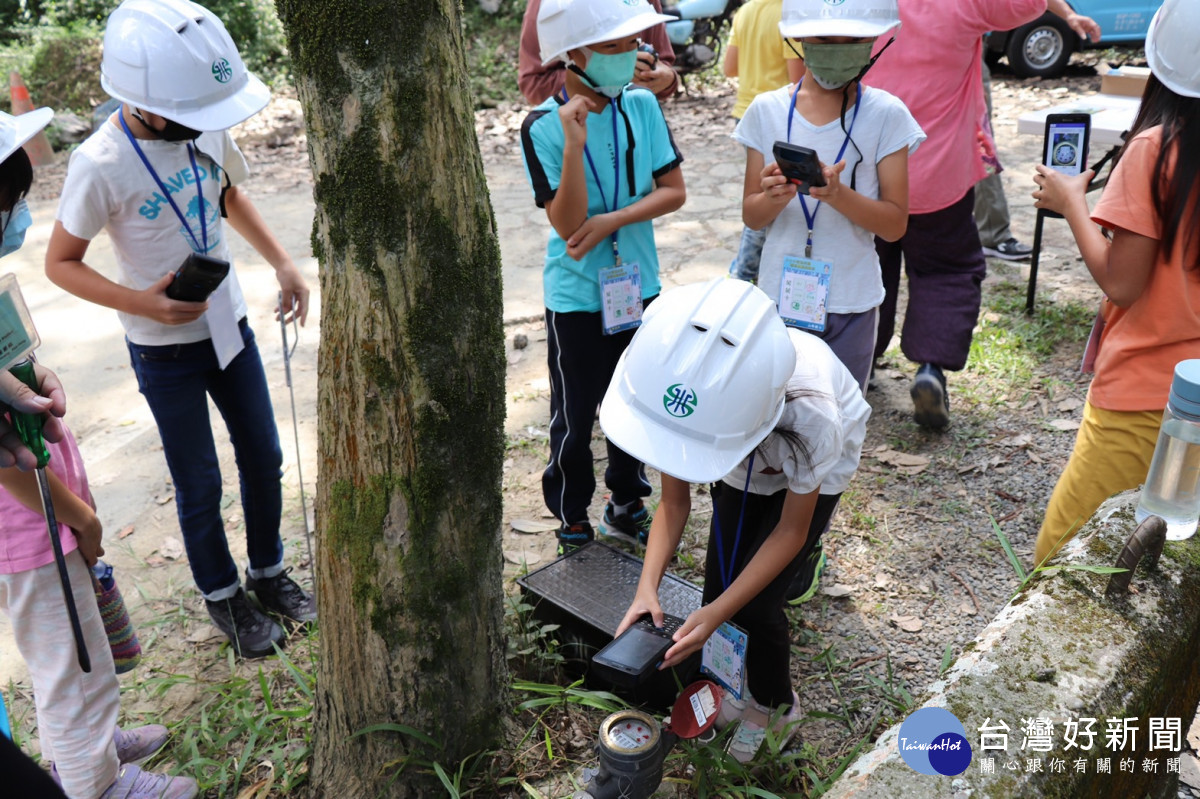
x=411 y=393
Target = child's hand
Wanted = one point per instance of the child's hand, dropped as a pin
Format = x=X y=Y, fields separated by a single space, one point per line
x=158 y=306
x=1058 y=192
x=295 y=293
x=88 y=537
x=594 y=230
x=833 y=183
x=778 y=189
x=574 y=115
x=651 y=73
x=690 y=637
x=640 y=607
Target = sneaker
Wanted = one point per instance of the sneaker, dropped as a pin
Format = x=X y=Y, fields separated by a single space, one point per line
x=133 y=783
x=804 y=584
x=1010 y=250
x=752 y=731
x=731 y=710
x=931 y=408
x=573 y=536
x=136 y=744
x=632 y=527
x=252 y=634
x=283 y=595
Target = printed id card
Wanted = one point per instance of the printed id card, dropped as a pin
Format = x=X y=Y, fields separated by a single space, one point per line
x=620 y=297
x=803 y=290
x=18 y=336
x=724 y=658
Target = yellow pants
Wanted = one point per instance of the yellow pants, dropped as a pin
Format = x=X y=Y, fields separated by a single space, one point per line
x=1112 y=454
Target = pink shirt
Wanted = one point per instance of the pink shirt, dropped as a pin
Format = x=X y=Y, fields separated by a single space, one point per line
x=934 y=67
x=24 y=542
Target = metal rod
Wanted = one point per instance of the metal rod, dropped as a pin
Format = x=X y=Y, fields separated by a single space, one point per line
x=287 y=369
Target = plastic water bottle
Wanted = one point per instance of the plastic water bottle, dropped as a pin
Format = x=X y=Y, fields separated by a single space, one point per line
x=104 y=574
x=1172 y=489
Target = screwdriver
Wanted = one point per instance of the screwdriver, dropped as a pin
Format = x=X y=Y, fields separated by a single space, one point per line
x=29 y=428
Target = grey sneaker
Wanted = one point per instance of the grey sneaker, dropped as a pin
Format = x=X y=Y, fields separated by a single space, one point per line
x=251 y=633
x=136 y=744
x=133 y=783
x=283 y=595
x=1009 y=250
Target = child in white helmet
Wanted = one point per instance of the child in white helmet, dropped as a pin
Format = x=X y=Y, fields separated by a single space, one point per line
x=76 y=710
x=714 y=388
x=601 y=161
x=1149 y=271
x=159 y=176
x=818 y=257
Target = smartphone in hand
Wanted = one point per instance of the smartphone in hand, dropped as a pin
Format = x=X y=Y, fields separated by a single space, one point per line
x=799 y=165
x=197 y=277
x=634 y=654
x=1065 y=146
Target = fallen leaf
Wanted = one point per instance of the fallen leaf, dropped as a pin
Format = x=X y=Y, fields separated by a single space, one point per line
x=1069 y=404
x=164 y=499
x=262 y=788
x=171 y=548
x=204 y=634
x=836 y=590
x=967 y=609
x=533 y=525
x=1019 y=440
x=910 y=624
x=1063 y=424
x=126 y=531
x=904 y=462
x=521 y=558
x=155 y=561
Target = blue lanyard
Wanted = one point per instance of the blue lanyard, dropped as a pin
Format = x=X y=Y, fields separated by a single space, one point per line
x=727 y=571
x=201 y=245
x=616 y=172
x=811 y=219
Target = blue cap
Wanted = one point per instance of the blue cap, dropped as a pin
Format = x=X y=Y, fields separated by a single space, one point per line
x=1185 y=388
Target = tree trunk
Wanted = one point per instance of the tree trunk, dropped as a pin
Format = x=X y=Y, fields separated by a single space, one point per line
x=411 y=395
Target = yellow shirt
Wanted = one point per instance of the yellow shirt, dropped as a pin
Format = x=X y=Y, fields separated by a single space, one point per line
x=762 y=54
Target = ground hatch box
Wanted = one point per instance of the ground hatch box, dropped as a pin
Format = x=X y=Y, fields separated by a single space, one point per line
x=587 y=593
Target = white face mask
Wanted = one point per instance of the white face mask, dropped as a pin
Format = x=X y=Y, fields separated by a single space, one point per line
x=14 y=223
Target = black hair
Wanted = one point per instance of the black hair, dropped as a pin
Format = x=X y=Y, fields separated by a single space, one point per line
x=16 y=176
x=1175 y=193
x=798 y=444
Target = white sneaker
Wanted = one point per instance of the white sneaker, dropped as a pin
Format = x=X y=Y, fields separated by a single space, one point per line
x=731 y=710
x=750 y=734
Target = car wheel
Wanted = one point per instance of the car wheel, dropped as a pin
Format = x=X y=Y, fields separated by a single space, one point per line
x=1042 y=48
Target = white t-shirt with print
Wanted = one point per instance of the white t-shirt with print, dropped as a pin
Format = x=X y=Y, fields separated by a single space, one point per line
x=829 y=414
x=108 y=187
x=883 y=126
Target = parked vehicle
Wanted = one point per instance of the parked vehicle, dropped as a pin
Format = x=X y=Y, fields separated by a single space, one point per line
x=697 y=31
x=1043 y=47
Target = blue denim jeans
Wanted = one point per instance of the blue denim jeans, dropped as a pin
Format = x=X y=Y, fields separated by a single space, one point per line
x=176 y=380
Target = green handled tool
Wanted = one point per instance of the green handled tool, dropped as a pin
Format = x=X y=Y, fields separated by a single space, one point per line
x=29 y=428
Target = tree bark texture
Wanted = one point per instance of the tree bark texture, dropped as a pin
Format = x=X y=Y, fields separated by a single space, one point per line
x=410 y=397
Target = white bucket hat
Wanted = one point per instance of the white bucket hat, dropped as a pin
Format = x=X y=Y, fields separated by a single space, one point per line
x=16 y=130
x=857 y=18
x=703 y=381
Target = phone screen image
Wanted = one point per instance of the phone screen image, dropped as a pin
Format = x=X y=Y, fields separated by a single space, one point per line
x=636 y=649
x=1066 y=144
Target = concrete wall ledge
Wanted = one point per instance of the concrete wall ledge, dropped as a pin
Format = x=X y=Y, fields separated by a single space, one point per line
x=1063 y=651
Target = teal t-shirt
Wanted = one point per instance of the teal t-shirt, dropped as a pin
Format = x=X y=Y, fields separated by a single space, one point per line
x=570 y=285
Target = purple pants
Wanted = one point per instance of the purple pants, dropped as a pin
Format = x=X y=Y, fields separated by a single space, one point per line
x=945 y=266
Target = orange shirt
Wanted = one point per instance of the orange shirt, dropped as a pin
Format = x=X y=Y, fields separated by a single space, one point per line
x=1142 y=343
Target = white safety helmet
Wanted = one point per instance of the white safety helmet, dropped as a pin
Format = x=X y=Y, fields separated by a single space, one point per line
x=1171 y=46
x=16 y=130
x=564 y=25
x=857 y=18
x=174 y=58
x=703 y=381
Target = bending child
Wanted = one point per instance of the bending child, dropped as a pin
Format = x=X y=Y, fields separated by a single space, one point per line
x=714 y=388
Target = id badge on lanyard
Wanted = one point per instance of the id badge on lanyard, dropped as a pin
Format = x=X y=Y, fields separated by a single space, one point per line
x=621 y=283
x=804 y=284
x=803 y=292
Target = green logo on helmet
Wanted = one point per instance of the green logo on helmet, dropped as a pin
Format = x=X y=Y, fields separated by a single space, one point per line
x=679 y=400
x=222 y=71
x=834 y=2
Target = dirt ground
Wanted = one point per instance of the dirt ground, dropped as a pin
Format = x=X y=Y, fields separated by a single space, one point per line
x=914 y=568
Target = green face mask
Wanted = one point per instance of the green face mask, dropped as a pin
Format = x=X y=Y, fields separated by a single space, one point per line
x=832 y=66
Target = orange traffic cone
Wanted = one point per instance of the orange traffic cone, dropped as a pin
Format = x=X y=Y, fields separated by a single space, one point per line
x=38 y=148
